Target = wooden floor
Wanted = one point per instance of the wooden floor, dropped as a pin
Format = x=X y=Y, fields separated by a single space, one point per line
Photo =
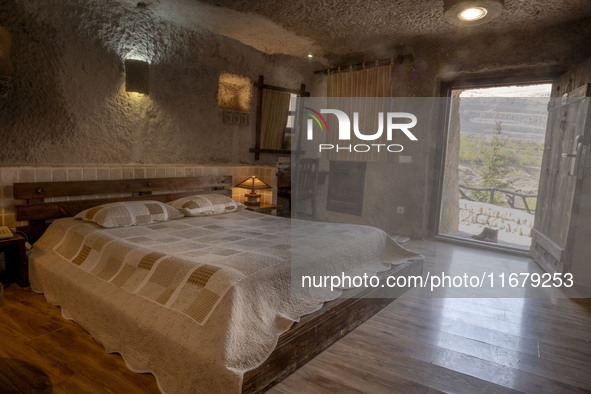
x=41 y=352
x=417 y=344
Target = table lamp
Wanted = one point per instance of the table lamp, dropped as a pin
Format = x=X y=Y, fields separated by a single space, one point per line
x=253 y=183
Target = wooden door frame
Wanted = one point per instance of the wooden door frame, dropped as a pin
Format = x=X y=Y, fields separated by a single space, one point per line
x=563 y=252
x=529 y=77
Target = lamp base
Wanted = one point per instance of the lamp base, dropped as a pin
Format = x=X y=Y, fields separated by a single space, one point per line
x=252 y=200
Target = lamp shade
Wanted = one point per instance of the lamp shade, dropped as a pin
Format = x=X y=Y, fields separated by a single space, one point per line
x=253 y=183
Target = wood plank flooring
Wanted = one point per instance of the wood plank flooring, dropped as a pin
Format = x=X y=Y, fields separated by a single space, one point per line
x=41 y=352
x=416 y=344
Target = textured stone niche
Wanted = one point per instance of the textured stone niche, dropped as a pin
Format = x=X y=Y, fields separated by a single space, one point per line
x=234 y=93
x=5 y=65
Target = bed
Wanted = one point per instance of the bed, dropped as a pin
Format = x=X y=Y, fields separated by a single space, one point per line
x=225 y=319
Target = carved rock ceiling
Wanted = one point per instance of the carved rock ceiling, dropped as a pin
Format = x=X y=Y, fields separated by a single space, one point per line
x=337 y=30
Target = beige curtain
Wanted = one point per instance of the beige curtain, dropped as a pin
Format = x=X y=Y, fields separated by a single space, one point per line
x=369 y=82
x=373 y=84
x=274 y=118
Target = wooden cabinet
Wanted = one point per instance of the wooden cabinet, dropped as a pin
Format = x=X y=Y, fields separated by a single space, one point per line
x=15 y=261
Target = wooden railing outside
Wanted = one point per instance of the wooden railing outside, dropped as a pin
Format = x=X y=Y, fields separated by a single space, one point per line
x=510 y=197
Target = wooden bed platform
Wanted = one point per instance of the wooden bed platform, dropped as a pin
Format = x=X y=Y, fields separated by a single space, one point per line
x=42 y=202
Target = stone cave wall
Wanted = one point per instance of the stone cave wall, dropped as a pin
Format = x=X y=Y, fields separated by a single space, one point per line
x=69 y=105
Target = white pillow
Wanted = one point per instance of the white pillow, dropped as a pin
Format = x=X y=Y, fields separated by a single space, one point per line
x=206 y=205
x=130 y=213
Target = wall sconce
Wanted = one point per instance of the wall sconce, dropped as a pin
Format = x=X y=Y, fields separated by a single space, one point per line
x=253 y=183
x=137 y=76
x=471 y=12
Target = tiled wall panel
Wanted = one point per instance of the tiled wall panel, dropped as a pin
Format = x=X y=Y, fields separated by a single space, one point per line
x=11 y=175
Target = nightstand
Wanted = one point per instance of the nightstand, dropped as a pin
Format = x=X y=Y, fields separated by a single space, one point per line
x=15 y=260
x=272 y=209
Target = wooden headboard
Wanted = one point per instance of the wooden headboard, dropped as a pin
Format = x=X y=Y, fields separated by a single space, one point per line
x=43 y=202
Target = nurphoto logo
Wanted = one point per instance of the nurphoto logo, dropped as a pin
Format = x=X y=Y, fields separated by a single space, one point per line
x=395 y=122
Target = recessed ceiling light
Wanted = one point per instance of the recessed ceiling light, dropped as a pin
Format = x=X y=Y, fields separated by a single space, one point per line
x=473 y=14
x=310 y=55
x=467 y=13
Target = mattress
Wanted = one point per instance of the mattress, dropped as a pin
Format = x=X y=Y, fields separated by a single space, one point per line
x=198 y=301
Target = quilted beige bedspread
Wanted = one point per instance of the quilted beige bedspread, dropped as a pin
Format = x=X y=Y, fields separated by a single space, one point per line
x=198 y=301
